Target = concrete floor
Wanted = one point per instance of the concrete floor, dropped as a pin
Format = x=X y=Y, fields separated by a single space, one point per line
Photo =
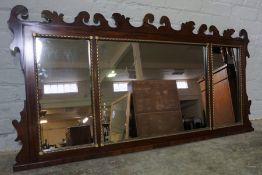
x=237 y=155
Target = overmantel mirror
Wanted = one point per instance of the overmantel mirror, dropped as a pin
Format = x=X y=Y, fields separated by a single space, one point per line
x=97 y=90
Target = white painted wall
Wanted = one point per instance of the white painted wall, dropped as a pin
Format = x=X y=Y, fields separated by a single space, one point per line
x=224 y=14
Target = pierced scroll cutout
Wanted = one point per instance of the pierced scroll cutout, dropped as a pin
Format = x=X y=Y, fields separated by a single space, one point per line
x=100 y=19
x=17 y=13
x=214 y=30
x=228 y=33
x=243 y=34
x=165 y=24
x=82 y=18
x=123 y=24
x=22 y=138
x=121 y=21
x=53 y=17
x=148 y=22
x=202 y=29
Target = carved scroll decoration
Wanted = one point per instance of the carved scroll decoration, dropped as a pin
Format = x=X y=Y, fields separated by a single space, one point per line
x=123 y=24
x=15 y=25
x=18 y=14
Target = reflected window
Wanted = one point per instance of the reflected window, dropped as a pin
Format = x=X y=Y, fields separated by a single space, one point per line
x=120 y=86
x=60 y=88
x=181 y=84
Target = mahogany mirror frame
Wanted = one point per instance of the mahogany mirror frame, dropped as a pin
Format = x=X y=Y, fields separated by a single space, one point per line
x=53 y=25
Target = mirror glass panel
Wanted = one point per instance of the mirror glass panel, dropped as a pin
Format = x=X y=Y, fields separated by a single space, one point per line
x=64 y=93
x=151 y=89
x=225 y=86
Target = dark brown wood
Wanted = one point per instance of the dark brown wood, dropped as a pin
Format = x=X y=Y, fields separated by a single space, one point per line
x=54 y=26
x=154 y=124
x=22 y=128
x=122 y=148
x=156 y=107
x=78 y=135
x=224 y=87
x=154 y=95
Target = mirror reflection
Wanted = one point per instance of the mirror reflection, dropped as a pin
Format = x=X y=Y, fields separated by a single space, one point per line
x=151 y=89
x=225 y=80
x=64 y=93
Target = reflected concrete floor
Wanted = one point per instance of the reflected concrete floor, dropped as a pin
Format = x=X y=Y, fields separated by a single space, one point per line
x=237 y=155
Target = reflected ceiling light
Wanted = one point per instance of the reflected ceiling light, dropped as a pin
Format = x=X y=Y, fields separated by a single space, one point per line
x=85 y=120
x=76 y=117
x=43 y=121
x=111 y=74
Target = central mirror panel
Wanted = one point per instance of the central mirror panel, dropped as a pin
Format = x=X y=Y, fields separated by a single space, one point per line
x=64 y=93
x=151 y=89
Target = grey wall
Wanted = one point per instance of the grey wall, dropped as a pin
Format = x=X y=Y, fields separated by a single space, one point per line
x=224 y=14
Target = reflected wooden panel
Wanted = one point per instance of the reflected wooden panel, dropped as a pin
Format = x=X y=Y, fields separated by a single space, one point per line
x=162 y=79
x=154 y=95
x=78 y=135
x=64 y=91
x=223 y=102
x=156 y=107
x=225 y=88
